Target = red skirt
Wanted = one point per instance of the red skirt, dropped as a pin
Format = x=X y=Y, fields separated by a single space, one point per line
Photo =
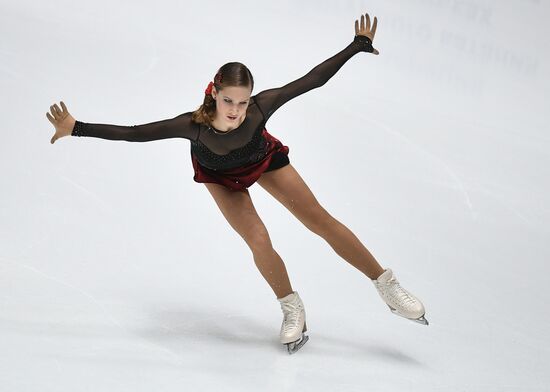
x=240 y=178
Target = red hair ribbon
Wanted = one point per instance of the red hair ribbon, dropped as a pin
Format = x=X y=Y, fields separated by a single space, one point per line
x=208 y=90
x=217 y=78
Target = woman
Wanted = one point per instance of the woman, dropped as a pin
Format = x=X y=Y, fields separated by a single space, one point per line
x=231 y=149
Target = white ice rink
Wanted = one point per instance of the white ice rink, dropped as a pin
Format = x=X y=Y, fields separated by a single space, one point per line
x=119 y=273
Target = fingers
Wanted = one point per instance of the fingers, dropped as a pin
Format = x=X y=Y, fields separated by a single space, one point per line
x=57 y=113
x=365 y=26
x=54 y=112
x=65 y=107
x=58 y=110
x=52 y=120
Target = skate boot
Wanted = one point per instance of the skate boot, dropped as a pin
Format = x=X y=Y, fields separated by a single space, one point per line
x=399 y=300
x=294 y=322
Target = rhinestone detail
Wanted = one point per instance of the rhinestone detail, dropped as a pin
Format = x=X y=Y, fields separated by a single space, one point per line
x=252 y=152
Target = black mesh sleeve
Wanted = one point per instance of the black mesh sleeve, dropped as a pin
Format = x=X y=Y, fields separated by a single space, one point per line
x=180 y=126
x=270 y=100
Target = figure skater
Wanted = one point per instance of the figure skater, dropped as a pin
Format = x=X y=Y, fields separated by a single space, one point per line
x=231 y=149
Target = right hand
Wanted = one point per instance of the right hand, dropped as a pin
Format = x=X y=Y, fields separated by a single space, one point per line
x=62 y=121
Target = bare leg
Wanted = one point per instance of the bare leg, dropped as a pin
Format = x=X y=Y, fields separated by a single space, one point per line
x=347 y=245
x=273 y=269
x=238 y=209
x=288 y=187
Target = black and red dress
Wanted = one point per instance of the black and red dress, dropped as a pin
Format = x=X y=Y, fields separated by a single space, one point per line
x=237 y=158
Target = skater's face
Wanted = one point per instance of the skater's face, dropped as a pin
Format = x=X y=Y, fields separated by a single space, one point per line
x=231 y=105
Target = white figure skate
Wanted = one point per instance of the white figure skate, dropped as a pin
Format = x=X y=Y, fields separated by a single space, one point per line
x=294 y=322
x=399 y=300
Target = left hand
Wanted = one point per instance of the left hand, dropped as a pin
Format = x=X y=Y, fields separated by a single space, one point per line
x=366 y=29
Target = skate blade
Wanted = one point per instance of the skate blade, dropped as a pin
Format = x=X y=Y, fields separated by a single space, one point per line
x=420 y=320
x=295 y=346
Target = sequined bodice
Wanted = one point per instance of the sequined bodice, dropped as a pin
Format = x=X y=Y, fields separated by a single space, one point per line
x=251 y=152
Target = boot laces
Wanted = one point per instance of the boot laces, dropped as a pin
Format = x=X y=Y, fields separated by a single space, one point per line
x=291 y=315
x=400 y=292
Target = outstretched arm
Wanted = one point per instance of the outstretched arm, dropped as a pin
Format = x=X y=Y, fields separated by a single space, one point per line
x=270 y=100
x=180 y=126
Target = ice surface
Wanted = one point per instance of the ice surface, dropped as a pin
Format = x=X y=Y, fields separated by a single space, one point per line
x=119 y=273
